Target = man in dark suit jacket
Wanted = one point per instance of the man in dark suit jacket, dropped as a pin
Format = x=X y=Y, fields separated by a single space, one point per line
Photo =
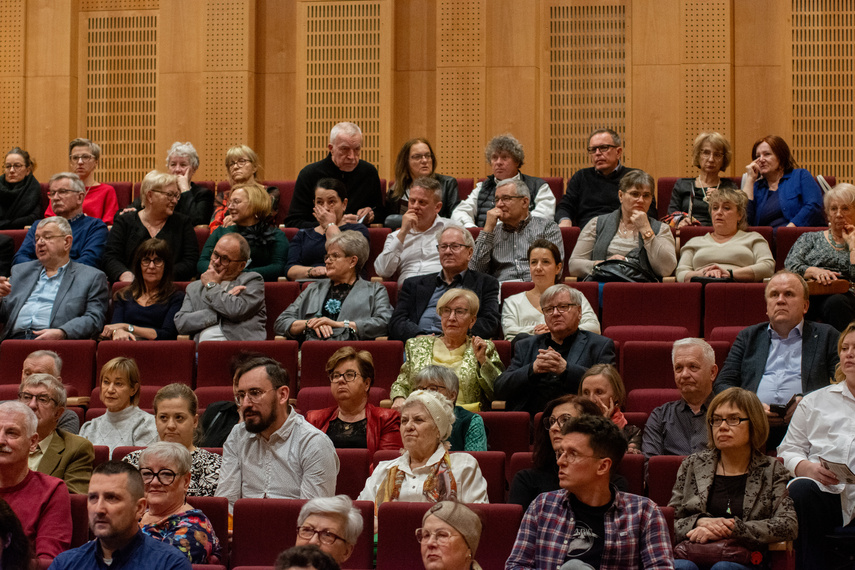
x=34 y=305
x=59 y=453
x=550 y=365
x=762 y=357
x=415 y=314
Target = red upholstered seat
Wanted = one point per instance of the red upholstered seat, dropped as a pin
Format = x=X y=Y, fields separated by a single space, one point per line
x=79 y=520
x=377 y=237
x=654 y=305
x=202 y=235
x=17 y=237
x=629 y=333
x=465 y=187
x=569 y=237
x=632 y=468
x=213 y=367
x=647 y=364
x=277 y=296
x=124 y=192
x=661 y=476
x=732 y=306
x=286 y=193
x=725 y=334
x=265 y=527
x=120 y=452
x=102 y=455
x=507 y=431
x=388 y=356
x=519 y=461
x=78 y=361
x=353 y=471
x=648 y=399
x=207 y=395
x=398 y=547
x=504 y=350
x=320 y=397
x=217 y=511
x=150 y=356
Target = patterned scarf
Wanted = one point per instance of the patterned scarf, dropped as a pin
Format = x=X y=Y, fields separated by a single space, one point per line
x=439 y=485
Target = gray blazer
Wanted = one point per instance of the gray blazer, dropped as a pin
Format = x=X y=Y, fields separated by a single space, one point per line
x=367 y=305
x=80 y=307
x=242 y=316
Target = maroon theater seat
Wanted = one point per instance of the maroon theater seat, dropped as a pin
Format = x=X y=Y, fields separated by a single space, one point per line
x=277 y=296
x=78 y=361
x=213 y=366
x=150 y=356
x=729 y=305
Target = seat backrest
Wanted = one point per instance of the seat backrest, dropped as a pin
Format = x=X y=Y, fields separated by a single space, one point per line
x=217 y=511
x=207 y=395
x=388 y=357
x=653 y=304
x=504 y=350
x=79 y=520
x=353 y=471
x=518 y=462
x=569 y=237
x=102 y=455
x=319 y=397
x=510 y=288
x=664 y=189
x=556 y=184
x=214 y=360
x=286 y=194
x=202 y=235
x=648 y=399
x=120 y=452
x=17 y=237
x=150 y=355
x=78 y=361
x=632 y=469
x=733 y=304
x=277 y=296
x=647 y=364
x=256 y=542
x=785 y=238
x=465 y=187
x=507 y=431
x=377 y=237
x=124 y=193
x=400 y=549
x=661 y=476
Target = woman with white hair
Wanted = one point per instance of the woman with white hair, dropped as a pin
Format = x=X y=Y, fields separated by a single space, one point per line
x=333 y=524
x=829 y=255
x=165 y=469
x=426 y=471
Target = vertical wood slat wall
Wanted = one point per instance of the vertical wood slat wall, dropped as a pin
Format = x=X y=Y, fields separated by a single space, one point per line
x=276 y=74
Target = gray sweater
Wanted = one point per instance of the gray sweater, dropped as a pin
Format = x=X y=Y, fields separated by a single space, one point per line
x=131 y=426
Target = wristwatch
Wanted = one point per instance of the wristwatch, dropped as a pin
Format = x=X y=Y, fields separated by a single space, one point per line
x=648 y=234
x=347 y=324
x=210 y=285
x=326 y=227
x=131 y=329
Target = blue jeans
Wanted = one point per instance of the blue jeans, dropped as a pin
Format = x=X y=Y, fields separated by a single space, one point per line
x=689 y=565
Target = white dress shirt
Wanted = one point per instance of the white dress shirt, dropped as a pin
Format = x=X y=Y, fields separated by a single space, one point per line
x=416 y=256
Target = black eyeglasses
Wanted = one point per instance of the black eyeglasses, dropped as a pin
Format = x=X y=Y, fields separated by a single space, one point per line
x=560 y=420
x=603 y=148
x=732 y=421
x=165 y=476
x=347 y=377
x=324 y=536
x=223 y=259
x=42 y=399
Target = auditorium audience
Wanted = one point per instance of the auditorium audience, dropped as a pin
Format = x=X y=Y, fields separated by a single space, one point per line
x=521 y=314
x=242 y=166
x=473 y=359
x=627 y=234
x=679 y=427
x=508 y=232
x=711 y=154
x=165 y=470
x=333 y=524
x=820 y=431
x=145 y=309
x=468 y=432
x=226 y=303
x=415 y=160
x=66 y=193
x=593 y=191
x=353 y=422
x=307 y=249
x=20 y=192
x=415 y=313
x=175 y=415
x=40 y=501
x=53 y=298
x=158 y=219
x=449 y=537
x=779 y=194
x=100 y=201
x=16 y=554
x=124 y=423
x=365 y=198
x=827 y=256
x=603 y=385
x=49 y=362
x=505 y=155
x=411 y=250
x=728 y=252
x=342 y=307
x=549 y=365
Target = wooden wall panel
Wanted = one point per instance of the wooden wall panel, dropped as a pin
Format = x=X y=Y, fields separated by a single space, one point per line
x=12 y=74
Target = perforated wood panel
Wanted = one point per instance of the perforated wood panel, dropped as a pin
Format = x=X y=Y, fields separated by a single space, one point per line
x=347 y=60
x=460 y=85
x=706 y=31
x=823 y=78
x=98 y=5
x=11 y=74
x=120 y=80
x=587 y=79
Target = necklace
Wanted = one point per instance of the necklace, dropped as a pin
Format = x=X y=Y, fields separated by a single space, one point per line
x=706 y=189
x=624 y=230
x=838 y=246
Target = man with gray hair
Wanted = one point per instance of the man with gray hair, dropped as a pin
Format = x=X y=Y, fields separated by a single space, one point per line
x=53 y=298
x=680 y=427
x=502 y=246
x=333 y=524
x=411 y=250
x=505 y=155
x=364 y=197
x=49 y=362
x=226 y=303
x=467 y=432
x=40 y=501
x=59 y=453
x=66 y=193
x=550 y=365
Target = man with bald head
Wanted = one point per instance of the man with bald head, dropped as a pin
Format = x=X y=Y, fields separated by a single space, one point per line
x=226 y=303
x=40 y=501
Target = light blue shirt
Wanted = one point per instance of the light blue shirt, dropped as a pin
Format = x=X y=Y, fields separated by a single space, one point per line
x=35 y=314
x=783 y=375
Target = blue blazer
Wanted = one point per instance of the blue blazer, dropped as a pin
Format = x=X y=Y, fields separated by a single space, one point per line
x=80 y=308
x=798 y=195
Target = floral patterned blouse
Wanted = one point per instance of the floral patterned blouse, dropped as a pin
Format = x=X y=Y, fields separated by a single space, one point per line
x=190 y=532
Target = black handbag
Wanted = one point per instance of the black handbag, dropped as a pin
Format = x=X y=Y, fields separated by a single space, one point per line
x=621 y=271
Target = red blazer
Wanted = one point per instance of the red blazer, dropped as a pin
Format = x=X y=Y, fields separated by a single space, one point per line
x=384 y=426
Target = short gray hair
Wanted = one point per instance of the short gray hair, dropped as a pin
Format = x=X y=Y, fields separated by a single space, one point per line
x=555 y=290
x=171 y=453
x=57 y=361
x=51 y=383
x=519 y=186
x=706 y=349
x=842 y=192
x=612 y=133
x=437 y=373
x=506 y=143
x=351 y=243
x=186 y=150
x=340 y=505
x=61 y=223
x=31 y=422
x=345 y=128
x=468 y=240
x=430 y=184
x=636 y=179
x=76 y=183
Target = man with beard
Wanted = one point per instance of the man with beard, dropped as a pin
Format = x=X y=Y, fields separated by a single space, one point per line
x=274 y=452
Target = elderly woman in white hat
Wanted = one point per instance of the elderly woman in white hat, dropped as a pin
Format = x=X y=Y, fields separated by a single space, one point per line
x=449 y=537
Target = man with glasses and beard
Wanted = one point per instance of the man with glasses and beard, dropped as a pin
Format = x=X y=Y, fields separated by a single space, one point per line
x=275 y=452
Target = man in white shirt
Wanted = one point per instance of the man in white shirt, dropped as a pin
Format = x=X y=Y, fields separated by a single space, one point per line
x=274 y=453
x=411 y=250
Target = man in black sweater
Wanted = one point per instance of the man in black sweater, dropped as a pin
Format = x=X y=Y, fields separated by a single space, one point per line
x=364 y=196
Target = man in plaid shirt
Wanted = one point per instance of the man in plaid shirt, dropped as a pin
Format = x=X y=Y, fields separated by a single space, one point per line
x=589 y=523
